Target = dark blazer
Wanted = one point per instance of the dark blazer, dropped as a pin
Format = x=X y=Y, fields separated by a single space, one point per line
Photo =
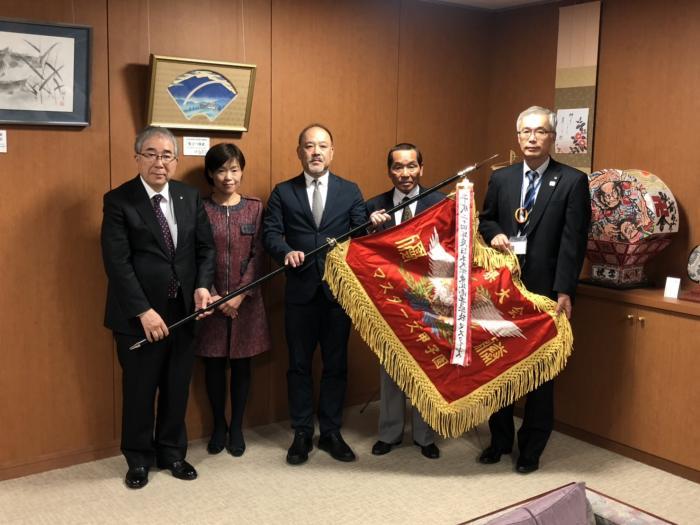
x=558 y=229
x=385 y=201
x=136 y=259
x=289 y=225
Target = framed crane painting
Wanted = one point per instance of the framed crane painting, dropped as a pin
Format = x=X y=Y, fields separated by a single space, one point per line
x=44 y=73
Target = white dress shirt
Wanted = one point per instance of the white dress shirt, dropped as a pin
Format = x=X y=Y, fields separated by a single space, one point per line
x=322 y=187
x=526 y=181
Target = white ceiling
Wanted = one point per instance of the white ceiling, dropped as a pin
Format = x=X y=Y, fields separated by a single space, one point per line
x=490 y=4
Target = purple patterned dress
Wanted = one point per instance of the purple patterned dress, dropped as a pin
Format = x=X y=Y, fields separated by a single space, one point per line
x=239 y=259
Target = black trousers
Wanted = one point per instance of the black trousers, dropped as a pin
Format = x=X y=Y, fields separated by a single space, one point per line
x=538 y=422
x=321 y=321
x=161 y=369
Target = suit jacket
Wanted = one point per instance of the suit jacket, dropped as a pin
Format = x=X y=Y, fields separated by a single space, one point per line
x=385 y=201
x=558 y=228
x=289 y=225
x=136 y=258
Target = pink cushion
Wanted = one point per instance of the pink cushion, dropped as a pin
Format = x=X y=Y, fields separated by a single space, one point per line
x=565 y=505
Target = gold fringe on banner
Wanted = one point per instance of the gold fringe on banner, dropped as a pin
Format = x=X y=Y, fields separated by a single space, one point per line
x=449 y=419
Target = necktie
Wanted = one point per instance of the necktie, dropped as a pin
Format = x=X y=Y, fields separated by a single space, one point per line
x=317 y=203
x=529 y=200
x=168 y=238
x=406 y=215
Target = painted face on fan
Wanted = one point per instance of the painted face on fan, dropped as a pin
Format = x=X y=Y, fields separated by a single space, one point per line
x=609 y=194
x=629 y=231
x=535 y=148
x=405 y=172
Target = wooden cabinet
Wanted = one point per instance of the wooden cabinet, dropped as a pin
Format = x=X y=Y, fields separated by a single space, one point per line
x=633 y=377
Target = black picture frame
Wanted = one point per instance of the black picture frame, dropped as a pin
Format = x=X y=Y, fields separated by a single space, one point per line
x=32 y=57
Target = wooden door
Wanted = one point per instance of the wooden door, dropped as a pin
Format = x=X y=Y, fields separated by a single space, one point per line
x=664 y=415
x=596 y=387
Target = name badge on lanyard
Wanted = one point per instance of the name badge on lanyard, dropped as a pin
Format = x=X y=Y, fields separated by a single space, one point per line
x=518 y=243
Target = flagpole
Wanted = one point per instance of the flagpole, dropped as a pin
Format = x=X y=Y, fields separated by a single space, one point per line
x=328 y=244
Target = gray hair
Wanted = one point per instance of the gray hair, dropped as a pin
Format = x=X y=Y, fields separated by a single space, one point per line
x=538 y=110
x=151 y=131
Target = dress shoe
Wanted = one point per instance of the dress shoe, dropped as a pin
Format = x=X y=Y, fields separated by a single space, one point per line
x=217 y=441
x=429 y=451
x=492 y=455
x=236 y=443
x=136 y=477
x=298 y=453
x=382 y=447
x=181 y=470
x=334 y=444
x=525 y=466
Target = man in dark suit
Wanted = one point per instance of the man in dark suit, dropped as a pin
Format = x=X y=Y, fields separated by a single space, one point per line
x=159 y=256
x=405 y=168
x=541 y=210
x=302 y=213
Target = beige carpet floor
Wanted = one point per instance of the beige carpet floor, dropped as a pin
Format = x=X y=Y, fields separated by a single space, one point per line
x=401 y=487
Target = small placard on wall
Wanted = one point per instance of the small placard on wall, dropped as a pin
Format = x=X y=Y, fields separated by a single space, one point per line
x=195 y=146
x=3 y=141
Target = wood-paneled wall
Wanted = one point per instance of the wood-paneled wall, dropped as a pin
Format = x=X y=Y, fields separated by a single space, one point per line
x=522 y=61
x=56 y=370
x=648 y=107
x=363 y=68
x=450 y=79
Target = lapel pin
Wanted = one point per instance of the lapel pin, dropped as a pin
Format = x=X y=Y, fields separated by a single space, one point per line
x=553 y=182
x=180 y=197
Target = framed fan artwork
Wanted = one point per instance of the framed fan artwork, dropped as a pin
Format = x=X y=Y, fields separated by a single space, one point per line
x=200 y=94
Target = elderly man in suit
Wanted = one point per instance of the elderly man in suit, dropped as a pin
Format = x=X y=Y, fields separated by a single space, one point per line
x=302 y=213
x=405 y=169
x=541 y=210
x=159 y=256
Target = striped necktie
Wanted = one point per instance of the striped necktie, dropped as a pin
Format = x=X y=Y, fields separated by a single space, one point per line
x=530 y=193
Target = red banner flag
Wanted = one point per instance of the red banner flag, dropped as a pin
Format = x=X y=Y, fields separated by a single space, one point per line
x=397 y=286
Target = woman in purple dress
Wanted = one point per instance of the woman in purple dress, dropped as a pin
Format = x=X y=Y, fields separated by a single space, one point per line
x=238 y=330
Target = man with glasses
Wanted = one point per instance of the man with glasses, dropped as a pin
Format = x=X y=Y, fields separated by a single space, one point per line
x=541 y=210
x=159 y=256
x=405 y=168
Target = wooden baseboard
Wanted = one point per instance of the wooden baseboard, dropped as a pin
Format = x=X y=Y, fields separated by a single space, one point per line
x=633 y=453
x=54 y=461
x=18 y=469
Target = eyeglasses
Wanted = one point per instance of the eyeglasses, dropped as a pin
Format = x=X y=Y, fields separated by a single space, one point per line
x=540 y=133
x=410 y=168
x=166 y=158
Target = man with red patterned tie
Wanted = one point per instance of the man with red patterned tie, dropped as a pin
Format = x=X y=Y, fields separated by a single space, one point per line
x=159 y=256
